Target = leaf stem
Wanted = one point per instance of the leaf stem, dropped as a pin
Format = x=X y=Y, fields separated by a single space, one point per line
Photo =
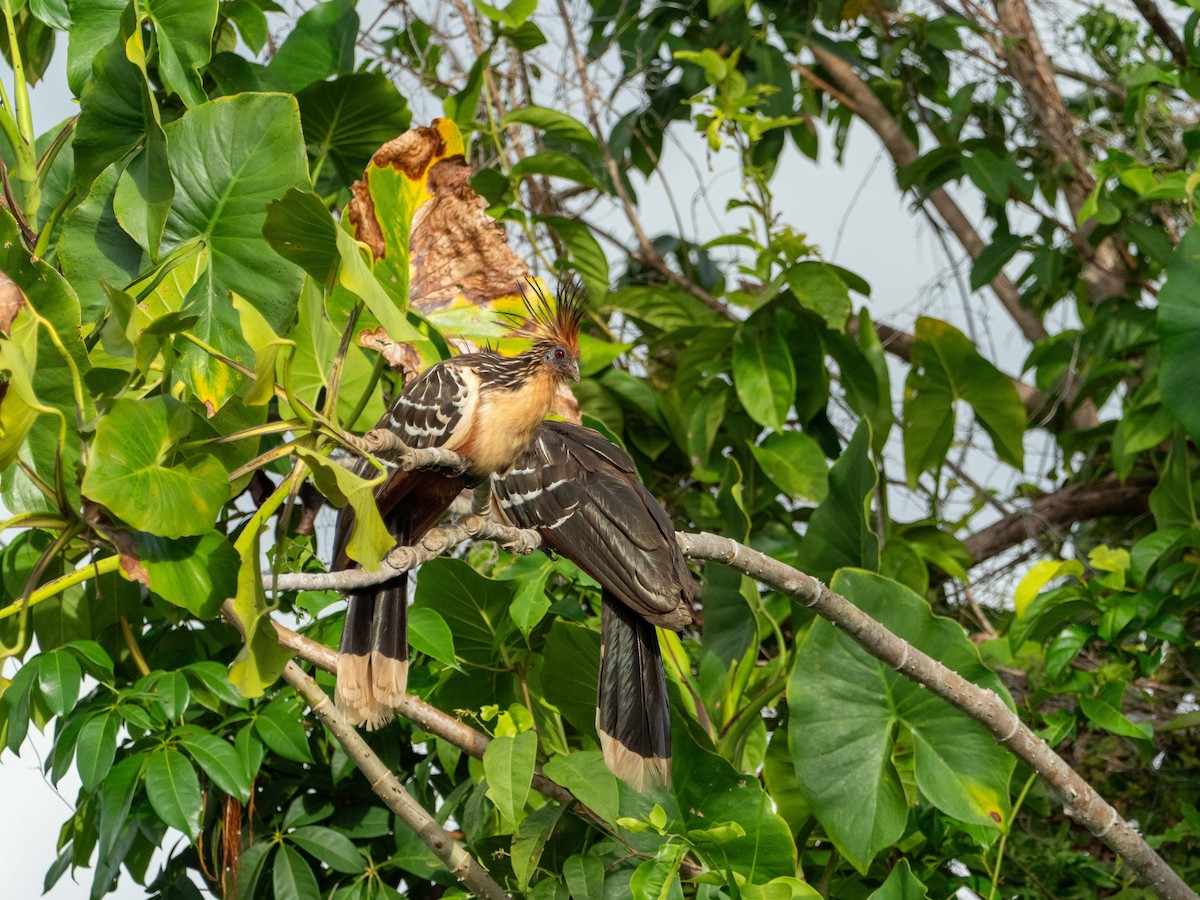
x=60 y=584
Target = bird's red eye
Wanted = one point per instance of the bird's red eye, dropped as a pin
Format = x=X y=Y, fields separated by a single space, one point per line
x=559 y=353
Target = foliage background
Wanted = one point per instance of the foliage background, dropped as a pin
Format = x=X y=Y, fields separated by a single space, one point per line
x=1102 y=660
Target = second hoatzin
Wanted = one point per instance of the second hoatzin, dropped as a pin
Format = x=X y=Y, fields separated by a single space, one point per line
x=484 y=407
x=582 y=493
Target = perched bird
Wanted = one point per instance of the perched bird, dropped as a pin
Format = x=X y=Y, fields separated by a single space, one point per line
x=484 y=407
x=582 y=493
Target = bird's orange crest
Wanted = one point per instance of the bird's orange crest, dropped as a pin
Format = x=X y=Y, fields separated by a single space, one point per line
x=550 y=323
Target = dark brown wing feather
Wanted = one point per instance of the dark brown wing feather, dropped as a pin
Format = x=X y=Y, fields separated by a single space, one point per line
x=582 y=492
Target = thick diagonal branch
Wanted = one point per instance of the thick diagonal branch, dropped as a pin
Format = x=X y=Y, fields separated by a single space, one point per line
x=1031 y=69
x=1053 y=512
x=1161 y=27
x=903 y=153
x=1080 y=799
x=461 y=864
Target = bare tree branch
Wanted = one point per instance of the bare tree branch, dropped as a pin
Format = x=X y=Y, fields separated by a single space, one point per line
x=1031 y=68
x=461 y=864
x=1080 y=800
x=1162 y=28
x=460 y=734
x=1077 y=503
x=903 y=153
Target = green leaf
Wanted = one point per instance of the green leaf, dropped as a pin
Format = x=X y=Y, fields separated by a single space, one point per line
x=145 y=190
x=59 y=678
x=1104 y=708
x=658 y=878
x=94 y=25
x=218 y=759
x=97 y=748
x=346 y=120
x=989 y=174
x=429 y=633
x=174 y=791
x=302 y=230
x=847 y=710
x=584 y=876
x=587 y=256
x=901 y=884
x=947 y=367
x=331 y=847
x=321 y=44
x=198 y=573
x=221 y=197
x=1173 y=501
x=555 y=123
x=796 y=463
x=185 y=39
x=508 y=765
x=530 y=840
x=818 y=287
x=585 y=775
x=556 y=164
x=130 y=463
x=991 y=261
x=213 y=677
x=473 y=606
x=52 y=12
x=171 y=692
x=281 y=729
x=116 y=799
x=114 y=115
x=1038 y=576
x=261 y=659
x=709 y=791
x=570 y=670
x=513 y=15
x=370 y=540
x=764 y=374
x=840 y=532
x=1179 y=333
x=292 y=877
x=784 y=887
x=251 y=864
x=530 y=602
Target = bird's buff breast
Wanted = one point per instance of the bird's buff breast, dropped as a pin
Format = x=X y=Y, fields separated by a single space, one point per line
x=504 y=425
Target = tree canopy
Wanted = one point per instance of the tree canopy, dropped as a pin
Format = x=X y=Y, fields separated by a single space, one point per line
x=232 y=257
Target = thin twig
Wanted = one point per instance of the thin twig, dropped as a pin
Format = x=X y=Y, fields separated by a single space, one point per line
x=461 y=864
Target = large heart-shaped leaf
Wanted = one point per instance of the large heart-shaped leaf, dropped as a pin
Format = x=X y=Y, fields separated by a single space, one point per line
x=231 y=157
x=346 y=120
x=132 y=473
x=849 y=711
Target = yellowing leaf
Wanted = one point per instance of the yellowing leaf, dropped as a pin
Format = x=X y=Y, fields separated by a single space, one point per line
x=1038 y=576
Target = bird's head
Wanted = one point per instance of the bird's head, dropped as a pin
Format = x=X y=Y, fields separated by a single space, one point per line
x=554 y=328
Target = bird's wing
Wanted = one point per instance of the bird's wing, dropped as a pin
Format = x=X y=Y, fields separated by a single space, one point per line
x=582 y=492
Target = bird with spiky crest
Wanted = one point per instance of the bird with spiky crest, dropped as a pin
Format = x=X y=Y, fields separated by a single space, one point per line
x=485 y=407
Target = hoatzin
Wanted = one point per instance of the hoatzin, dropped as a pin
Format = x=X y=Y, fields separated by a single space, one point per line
x=483 y=406
x=582 y=493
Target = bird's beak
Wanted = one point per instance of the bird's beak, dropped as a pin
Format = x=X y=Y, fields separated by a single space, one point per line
x=573 y=370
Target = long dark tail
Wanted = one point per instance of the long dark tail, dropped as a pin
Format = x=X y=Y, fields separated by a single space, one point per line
x=372 y=670
x=633 y=716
